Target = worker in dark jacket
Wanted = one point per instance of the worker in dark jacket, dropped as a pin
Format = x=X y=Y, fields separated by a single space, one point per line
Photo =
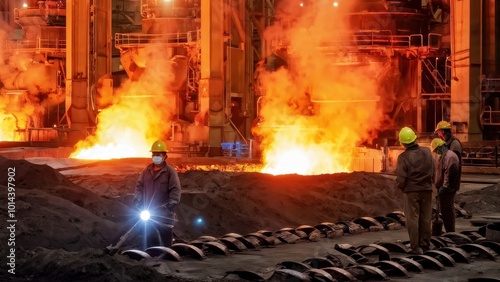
x=443 y=130
x=158 y=190
x=447 y=181
x=415 y=173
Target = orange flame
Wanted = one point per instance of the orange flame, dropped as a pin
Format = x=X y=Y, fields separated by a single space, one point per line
x=7 y=127
x=141 y=114
x=322 y=103
x=121 y=132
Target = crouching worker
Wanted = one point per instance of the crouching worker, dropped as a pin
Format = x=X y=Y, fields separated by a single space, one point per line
x=447 y=181
x=158 y=190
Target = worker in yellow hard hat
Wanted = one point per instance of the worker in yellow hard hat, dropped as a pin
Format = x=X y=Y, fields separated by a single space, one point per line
x=447 y=181
x=443 y=130
x=414 y=176
x=158 y=191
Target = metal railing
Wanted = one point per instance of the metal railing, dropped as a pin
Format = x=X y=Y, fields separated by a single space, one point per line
x=149 y=11
x=141 y=39
x=434 y=40
x=486 y=155
x=370 y=39
x=490 y=115
x=490 y=85
x=438 y=78
x=39 y=45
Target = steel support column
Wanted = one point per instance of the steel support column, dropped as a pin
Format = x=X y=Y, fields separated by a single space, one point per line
x=212 y=72
x=88 y=57
x=466 y=41
x=77 y=70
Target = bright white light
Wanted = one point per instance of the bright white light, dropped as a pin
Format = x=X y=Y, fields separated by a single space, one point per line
x=25 y=5
x=167 y=0
x=145 y=215
x=301 y=4
x=335 y=4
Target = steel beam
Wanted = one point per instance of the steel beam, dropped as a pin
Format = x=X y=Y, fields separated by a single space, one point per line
x=211 y=89
x=465 y=29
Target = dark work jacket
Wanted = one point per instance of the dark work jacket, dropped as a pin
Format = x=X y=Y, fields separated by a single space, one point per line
x=453 y=144
x=157 y=190
x=447 y=171
x=415 y=169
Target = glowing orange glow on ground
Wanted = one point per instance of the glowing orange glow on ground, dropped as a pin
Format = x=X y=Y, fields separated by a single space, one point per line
x=296 y=158
x=324 y=103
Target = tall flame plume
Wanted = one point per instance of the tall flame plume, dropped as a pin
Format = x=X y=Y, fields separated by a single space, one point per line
x=322 y=102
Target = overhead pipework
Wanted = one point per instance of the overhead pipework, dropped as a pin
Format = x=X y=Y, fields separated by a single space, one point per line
x=174 y=28
x=35 y=59
x=206 y=41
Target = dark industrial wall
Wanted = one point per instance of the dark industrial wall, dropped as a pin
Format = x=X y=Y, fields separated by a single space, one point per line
x=497 y=37
x=490 y=48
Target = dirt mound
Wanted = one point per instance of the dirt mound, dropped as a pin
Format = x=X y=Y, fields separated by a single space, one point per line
x=216 y=202
x=85 y=265
x=53 y=212
x=246 y=202
x=30 y=176
x=54 y=222
x=481 y=201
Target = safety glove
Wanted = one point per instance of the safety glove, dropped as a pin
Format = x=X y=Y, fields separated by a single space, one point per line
x=442 y=190
x=137 y=203
x=171 y=204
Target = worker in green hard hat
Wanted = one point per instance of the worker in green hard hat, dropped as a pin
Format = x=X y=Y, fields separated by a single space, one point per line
x=447 y=181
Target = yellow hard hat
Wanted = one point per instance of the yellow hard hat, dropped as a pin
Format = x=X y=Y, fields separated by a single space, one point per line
x=159 y=147
x=442 y=125
x=407 y=135
x=436 y=142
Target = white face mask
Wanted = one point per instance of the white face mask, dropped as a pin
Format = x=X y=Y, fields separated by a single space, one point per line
x=157 y=160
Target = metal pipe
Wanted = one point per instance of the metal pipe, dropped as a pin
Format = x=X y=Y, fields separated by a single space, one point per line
x=237 y=22
x=239 y=133
x=257 y=105
x=453 y=43
x=489 y=46
x=346 y=101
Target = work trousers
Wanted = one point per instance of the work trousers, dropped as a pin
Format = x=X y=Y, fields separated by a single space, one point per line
x=418 y=213
x=447 y=205
x=159 y=235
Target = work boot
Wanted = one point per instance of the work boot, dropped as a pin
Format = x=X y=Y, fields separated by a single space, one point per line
x=416 y=251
